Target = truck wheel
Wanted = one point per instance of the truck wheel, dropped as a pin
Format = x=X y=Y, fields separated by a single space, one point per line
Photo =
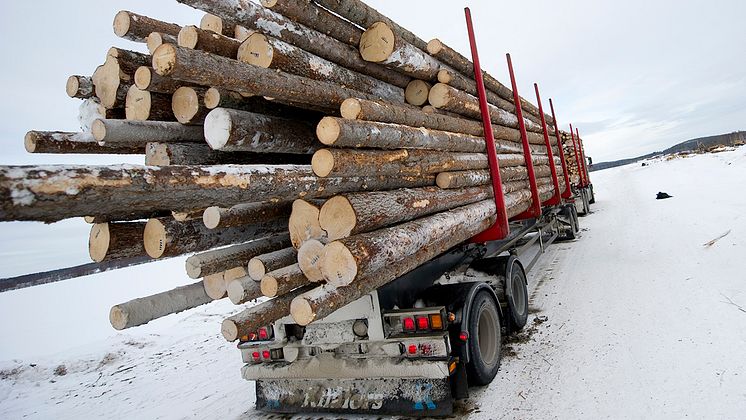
x=593 y=196
x=570 y=215
x=484 y=340
x=516 y=293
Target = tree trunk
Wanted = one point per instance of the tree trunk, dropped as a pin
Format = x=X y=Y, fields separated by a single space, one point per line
x=464 y=179
x=80 y=143
x=260 y=265
x=283 y=280
x=147 y=79
x=167 y=238
x=136 y=27
x=219 y=260
x=186 y=215
x=378 y=44
x=51 y=193
x=156 y=39
x=268 y=52
x=141 y=105
x=112 y=241
x=304 y=223
x=317 y=18
x=142 y=132
x=165 y=154
x=309 y=259
x=243 y=290
x=249 y=321
x=350 y=214
x=266 y=21
x=187 y=105
x=245 y=214
x=80 y=87
x=208 y=41
x=143 y=310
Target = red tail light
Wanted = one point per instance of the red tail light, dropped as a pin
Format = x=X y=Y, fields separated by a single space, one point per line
x=412 y=349
x=255 y=356
x=408 y=324
x=263 y=334
x=464 y=336
x=423 y=323
x=266 y=355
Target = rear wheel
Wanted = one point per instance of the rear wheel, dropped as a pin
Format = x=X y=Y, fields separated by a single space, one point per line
x=484 y=340
x=516 y=293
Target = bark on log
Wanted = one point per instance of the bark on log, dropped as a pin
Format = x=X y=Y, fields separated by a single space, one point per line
x=156 y=39
x=165 y=154
x=243 y=290
x=112 y=241
x=142 y=132
x=309 y=260
x=281 y=281
x=242 y=32
x=464 y=179
x=210 y=22
x=80 y=87
x=266 y=21
x=143 y=310
x=260 y=265
x=268 y=52
x=241 y=325
x=167 y=238
x=187 y=105
x=317 y=18
x=245 y=214
x=141 y=105
x=79 y=143
x=208 y=41
x=350 y=214
x=303 y=224
x=186 y=215
x=147 y=79
x=219 y=260
x=136 y=27
x=60 y=192
x=222 y=98
x=378 y=44
x=417 y=92
x=231 y=130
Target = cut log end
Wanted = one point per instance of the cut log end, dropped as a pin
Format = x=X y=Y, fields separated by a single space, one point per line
x=377 y=43
x=309 y=257
x=153 y=41
x=118 y=318
x=256 y=50
x=138 y=104
x=121 y=23
x=417 y=92
x=215 y=286
x=211 y=23
x=218 y=127
x=268 y=3
x=143 y=77
x=301 y=311
x=269 y=286
x=98 y=241
x=193 y=268
x=434 y=46
x=328 y=130
x=337 y=265
x=439 y=95
x=237 y=290
x=337 y=218
x=229 y=329
x=351 y=108
x=98 y=129
x=256 y=269
x=445 y=76
x=188 y=37
x=72 y=86
x=164 y=59
x=29 y=141
x=443 y=180
x=241 y=33
x=212 y=98
x=185 y=104
x=322 y=163
x=304 y=223
x=211 y=217
x=154 y=238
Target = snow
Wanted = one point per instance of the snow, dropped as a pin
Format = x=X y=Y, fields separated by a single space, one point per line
x=635 y=319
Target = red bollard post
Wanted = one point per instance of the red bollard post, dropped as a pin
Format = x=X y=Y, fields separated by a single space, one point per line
x=577 y=157
x=555 y=200
x=582 y=157
x=568 y=191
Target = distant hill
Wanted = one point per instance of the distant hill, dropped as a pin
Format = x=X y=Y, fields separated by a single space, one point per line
x=702 y=143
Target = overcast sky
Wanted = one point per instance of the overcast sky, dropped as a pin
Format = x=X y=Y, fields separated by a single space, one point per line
x=634 y=76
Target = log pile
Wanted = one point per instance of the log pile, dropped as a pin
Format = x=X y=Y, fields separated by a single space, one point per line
x=287 y=153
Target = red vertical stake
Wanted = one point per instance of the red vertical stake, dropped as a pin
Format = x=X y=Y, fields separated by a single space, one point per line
x=577 y=157
x=568 y=192
x=500 y=229
x=555 y=181
x=535 y=209
x=583 y=159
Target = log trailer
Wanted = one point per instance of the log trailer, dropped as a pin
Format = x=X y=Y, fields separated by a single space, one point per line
x=413 y=346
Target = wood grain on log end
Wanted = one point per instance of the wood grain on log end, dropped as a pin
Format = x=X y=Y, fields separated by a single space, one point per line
x=309 y=258
x=118 y=318
x=377 y=43
x=211 y=217
x=156 y=39
x=164 y=59
x=212 y=98
x=337 y=218
x=256 y=269
x=417 y=92
x=328 y=130
x=213 y=23
x=256 y=50
x=215 y=286
x=98 y=129
x=138 y=104
x=434 y=46
x=322 y=163
x=188 y=37
x=269 y=286
x=185 y=104
x=445 y=76
x=301 y=311
x=337 y=265
x=243 y=290
x=439 y=95
x=98 y=241
x=143 y=77
x=229 y=329
x=303 y=224
x=121 y=23
x=351 y=108
x=241 y=33
x=154 y=238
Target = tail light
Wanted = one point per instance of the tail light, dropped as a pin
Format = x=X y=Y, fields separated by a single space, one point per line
x=423 y=323
x=263 y=334
x=267 y=355
x=406 y=322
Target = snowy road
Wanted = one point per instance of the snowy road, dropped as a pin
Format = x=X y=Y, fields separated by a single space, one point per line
x=635 y=319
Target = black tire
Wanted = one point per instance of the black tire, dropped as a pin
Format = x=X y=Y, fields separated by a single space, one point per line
x=575 y=219
x=516 y=293
x=485 y=340
x=570 y=216
x=593 y=196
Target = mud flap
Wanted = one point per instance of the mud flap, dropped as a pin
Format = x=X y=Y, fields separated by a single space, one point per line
x=389 y=396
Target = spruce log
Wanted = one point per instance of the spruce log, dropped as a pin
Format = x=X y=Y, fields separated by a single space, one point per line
x=249 y=321
x=361 y=109
x=429 y=109
x=317 y=18
x=231 y=130
x=147 y=79
x=378 y=44
x=143 y=310
x=79 y=143
x=166 y=237
x=141 y=105
x=271 y=53
x=467 y=222
x=215 y=286
x=235 y=273
x=128 y=61
x=417 y=92
x=303 y=224
x=243 y=290
x=208 y=41
x=222 y=98
x=156 y=39
x=185 y=215
x=349 y=214
x=309 y=259
x=136 y=27
x=91 y=110
x=281 y=281
x=80 y=87
x=245 y=214
x=260 y=265
x=464 y=179
x=112 y=241
x=241 y=33
x=210 y=22
x=142 y=132
x=110 y=89
x=266 y=21
x=187 y=105
x=51 y=193
x=165 y=154
x=219 y=260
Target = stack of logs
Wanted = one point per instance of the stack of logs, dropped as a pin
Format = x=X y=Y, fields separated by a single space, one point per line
x=306 y=151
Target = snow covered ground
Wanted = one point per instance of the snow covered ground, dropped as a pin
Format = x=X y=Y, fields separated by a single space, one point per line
x=637 y=318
